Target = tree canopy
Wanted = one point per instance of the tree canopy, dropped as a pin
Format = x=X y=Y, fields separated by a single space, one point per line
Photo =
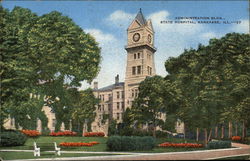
x=42 y=55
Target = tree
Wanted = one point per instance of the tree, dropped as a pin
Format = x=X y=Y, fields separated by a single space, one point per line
x=211 y=79
x=157 y=97
x=44 y=54
x=16 y=69
x=83 y=112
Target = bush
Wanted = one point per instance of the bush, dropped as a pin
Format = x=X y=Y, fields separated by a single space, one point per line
x=130 y=143
x=219 y=144
x=12 y=138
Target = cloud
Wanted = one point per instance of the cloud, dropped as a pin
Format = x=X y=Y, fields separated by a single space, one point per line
x=120 y=18
x=208 y=35
x=113 y=57
x=183 y=29
x=100 y=37
x=243 y=27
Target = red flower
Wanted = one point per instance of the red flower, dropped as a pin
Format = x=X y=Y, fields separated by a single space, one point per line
x=180 y=145
x=94 y=134
x=31 y=133
x=72 y=144
x=236 y=138
x=64 y=133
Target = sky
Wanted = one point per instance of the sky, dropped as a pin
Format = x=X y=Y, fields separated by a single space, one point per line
x=108 y=21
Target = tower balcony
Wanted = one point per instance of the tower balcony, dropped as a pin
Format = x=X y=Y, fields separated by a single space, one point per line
x=127 y=47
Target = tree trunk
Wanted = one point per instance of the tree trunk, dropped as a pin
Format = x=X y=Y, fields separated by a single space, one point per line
x=230 y=130
x=205 y=139
x=184 y=132
x=197 y=134
x=222 y=132
x=236 y=129
x=210 y=134
x=243 y=130
x=216 y=132
x=154 y=133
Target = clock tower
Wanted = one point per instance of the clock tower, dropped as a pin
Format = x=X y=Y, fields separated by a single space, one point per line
x=140 y=56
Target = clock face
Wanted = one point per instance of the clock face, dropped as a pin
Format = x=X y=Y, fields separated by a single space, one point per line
x=149 y=38
x=136 y=37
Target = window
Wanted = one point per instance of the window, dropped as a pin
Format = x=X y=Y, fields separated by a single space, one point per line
x=118 y=116
x=138 y=69
x=133 y=70
x=136 y=93
x=122 y=94
x=110 y=97
x=54 y=123
x=118 y=94
x=118 y=105
x=123 y=106
x=150 y=71
x=110 y=107
x=138 y=55
x=132 y=93
x=134 y=56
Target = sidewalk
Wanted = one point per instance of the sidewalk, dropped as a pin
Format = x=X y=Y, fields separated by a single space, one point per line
x=240 y=150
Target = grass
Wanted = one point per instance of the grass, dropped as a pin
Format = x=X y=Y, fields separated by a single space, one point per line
x=48 y=139
x=96 y=148
x=30 y=155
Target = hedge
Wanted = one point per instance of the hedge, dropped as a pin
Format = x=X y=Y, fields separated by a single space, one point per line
x=130 y=143
x=12 y=138
x=219 y=144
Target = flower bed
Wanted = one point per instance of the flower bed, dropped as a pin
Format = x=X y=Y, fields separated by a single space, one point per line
x=180 y=145
x=63 y=133
x=31 y=133
x=236 y=138
x=72 y=144
x=94 y=134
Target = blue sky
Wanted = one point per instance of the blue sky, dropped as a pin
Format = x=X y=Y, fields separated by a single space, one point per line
x=107 y=21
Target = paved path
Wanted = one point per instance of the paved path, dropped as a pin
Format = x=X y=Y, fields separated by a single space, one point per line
x=240 y=150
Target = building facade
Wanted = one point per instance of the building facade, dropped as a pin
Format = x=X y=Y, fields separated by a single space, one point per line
x=117 y=97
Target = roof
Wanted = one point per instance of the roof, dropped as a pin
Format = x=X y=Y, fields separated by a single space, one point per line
x=141 y=18
x=110 y=87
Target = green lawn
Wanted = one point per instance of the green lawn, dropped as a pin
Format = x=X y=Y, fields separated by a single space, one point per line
x=30 y=155
x=99 y=147
x=48 y=139
x=96 y=148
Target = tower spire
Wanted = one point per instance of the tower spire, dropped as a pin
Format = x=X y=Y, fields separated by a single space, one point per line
x=140 y=17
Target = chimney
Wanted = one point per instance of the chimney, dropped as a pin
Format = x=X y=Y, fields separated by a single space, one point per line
x=117 y=79
x=95 y=85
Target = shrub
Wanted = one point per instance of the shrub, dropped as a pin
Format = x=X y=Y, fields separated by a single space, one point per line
x=12 y=138
x=219 y=144
x=130 y=143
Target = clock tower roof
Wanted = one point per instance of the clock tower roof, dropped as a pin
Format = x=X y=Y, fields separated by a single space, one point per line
x=139 y=17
